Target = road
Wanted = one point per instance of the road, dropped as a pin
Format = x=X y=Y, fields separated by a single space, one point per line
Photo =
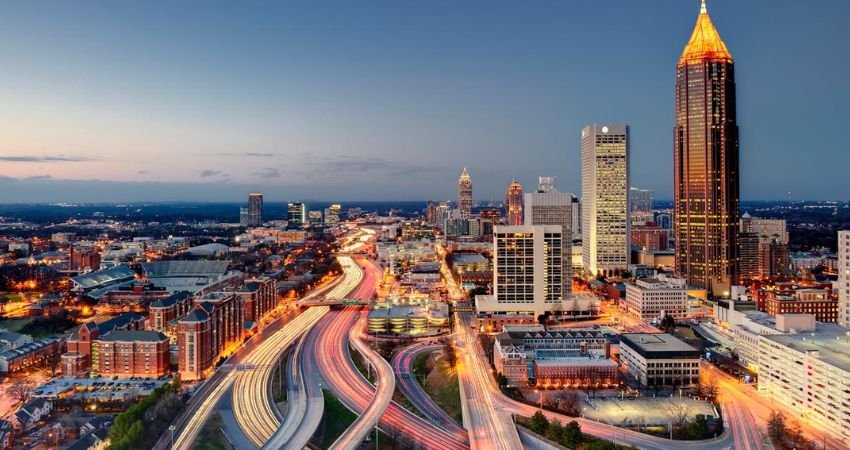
x=745 y=405
x=601 y=430
x=489 y=425
x=189 y=423
x=333 y=359
x=303 y=392
x=406 y=381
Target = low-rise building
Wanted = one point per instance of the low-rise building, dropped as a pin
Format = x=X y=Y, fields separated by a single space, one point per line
x=571 y=357
x=659 y=359
x=31 y=413
x=163 y=314
x=818 y=302
x=77 y=360
x=29 y=356
x=653 y=298
x=429 y=317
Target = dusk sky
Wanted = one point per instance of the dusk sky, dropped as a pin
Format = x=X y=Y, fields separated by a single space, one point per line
x=118 y=101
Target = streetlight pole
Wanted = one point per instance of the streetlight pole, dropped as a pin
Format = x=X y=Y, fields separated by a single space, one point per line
x=171 y=428
x=377 y=416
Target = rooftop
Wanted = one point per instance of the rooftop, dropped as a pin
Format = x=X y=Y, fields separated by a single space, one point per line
x=830 y=346
x=657 y=345
x=705 y=42
x=134 y=336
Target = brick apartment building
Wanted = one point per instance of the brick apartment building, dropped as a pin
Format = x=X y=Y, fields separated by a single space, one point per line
x=131 y=353
x=77 y=360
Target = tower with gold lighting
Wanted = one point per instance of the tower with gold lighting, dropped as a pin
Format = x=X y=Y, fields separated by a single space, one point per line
x=705 y=158
x=464 y=194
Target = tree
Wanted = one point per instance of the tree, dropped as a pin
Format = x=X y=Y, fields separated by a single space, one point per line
x=594 y=381
x=555 y=431
x=20 y=391
x=538 y=423
x=449 y=352
x=708 y=386
x=572 y=434
x=569 y=403
x=776 y=427
x=698 y=428
x=678 y=414
x=52 y=362
x=668 y=324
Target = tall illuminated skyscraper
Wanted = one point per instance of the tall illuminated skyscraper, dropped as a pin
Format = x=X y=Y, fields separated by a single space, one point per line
x=605 y=198
x=550 y=207
x=705 y=162
x=297 y=215
x=513 y=204
x=464 y=194
x=255 y=209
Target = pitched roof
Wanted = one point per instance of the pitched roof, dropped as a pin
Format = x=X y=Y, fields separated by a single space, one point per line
x=196 y=315
x=705 y=42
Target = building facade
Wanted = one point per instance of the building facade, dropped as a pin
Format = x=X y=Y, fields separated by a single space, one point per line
x=653 y=298
x=605 y=198
x=127 y=354
x=705 y=161
x=553 y=208
x=297 y=215
x=659 y=359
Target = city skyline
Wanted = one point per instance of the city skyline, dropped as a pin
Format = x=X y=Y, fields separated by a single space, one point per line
x=116 y=121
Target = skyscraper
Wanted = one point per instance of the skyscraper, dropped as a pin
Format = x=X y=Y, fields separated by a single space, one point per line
x=464 y=194
x=255 y=209
x=297 y=215
x=605 y=198
x=513 y=204
x=554 y=208
x=332 y=214
x=705 y=162
x=641 y=205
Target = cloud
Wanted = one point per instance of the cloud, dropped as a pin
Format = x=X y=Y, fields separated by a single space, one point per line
x=339 y=165
x=143 y=172
x=267 y=173
x=39 y=177
x=211 y=173
x=57 y=158
x=250 y=154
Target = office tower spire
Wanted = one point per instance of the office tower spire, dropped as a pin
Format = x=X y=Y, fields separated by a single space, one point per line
x=705 y=157
x=464 y=194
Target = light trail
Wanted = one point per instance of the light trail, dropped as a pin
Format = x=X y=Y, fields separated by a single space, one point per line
x=253 y=405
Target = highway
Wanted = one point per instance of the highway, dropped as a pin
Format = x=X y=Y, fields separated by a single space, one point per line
x=602 y=430
x=189 y=423
x=406 y=381
x=330 y=349
x=304 y=395
x=489 y=425
x=253 y=406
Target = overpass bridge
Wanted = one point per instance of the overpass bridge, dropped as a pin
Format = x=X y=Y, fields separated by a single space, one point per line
x=325 y=301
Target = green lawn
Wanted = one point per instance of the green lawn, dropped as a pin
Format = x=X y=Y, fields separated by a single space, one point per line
x=443 y=387
x=211 y=437
x=14 y=325
x=336 y=419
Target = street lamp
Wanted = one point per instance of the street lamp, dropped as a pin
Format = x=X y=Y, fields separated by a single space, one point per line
x=171 y=428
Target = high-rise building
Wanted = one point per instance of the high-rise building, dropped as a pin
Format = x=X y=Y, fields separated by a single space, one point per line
x=844 y=278
x=576 y=218
x=255 y=209
x=762 y=248
x=766 y=228
x=464 y=194
x=641 y=203
x=705 y=161
x=553 y=208
x=332 y=214
x=527 y=266
x=513 y=204
x=442 y=213
x=297 y=215
x=605 y=198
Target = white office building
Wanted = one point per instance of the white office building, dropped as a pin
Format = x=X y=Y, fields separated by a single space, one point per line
x=553 y=208
x=605 y=198
x=648 y=299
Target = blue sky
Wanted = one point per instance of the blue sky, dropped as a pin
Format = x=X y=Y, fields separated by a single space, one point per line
x=205 y=100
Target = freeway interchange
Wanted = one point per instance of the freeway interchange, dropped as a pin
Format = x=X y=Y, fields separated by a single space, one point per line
x=322 y=340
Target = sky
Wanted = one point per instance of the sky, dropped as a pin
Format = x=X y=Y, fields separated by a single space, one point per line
x=389 y=100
